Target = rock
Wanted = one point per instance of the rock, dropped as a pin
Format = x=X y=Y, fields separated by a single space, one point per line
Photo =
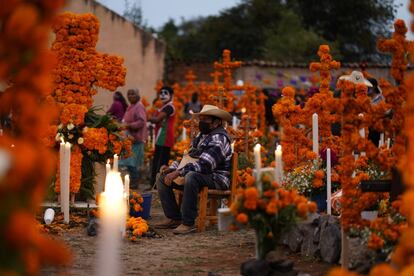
x=255 y=268
x=283 y=266
x=275 y=256
x=294 y=239
x=310 y=244
x=330 y=239
x=92 y=228
x=361 y=258
x=289 y=273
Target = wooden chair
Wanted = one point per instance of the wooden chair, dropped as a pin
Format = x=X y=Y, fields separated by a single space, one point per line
x=209 y=197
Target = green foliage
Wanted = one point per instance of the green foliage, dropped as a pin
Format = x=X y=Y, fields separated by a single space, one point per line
x=290 y=31
x=291 y=42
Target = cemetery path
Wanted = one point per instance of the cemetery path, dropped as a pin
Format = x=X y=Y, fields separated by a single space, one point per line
x=208 y=253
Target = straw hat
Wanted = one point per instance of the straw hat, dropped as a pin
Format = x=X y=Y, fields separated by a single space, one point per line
x=212 y=110
x=357 y=78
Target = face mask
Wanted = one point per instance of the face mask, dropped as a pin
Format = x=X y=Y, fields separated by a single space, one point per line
x=204 y=127
x=165 y=95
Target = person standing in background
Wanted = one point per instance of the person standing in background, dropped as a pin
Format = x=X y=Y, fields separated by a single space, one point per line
x=118 y=107
x=164 y=120
x=135 y=122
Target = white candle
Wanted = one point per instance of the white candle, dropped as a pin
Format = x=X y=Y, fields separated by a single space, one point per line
x=184 y=134
x=279 y=165
x=113 y=209
x=315 y=139
x=328 y=181
x=380 y=143
x=127 y=180
x=64 y=155
x=115 y=166
x=382 y=139
x=362 y=132
x=232 y=147
x=388 y=143
x=258 y=163
x=234 y=123
x=108 y=167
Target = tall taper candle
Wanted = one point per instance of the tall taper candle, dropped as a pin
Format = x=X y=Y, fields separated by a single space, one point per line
x=115 y=166
x=279 y=165
x=315 y=133
x=258 y=166
x=328 y=181
x=112 y=207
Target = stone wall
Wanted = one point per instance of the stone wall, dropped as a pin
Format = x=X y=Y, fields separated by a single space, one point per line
x=143 y=54
x=265 y=74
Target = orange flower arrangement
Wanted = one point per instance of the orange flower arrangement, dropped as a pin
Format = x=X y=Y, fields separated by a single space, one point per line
x=73 y=113
x=136 y=227
x=96 y=139
x=271 y=213
x=25 y=26
x=79 y=70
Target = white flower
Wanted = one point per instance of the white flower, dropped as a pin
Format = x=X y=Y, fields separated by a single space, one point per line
x=85 y=129
x=60 y=126
x=80 y=140
x=70 y=126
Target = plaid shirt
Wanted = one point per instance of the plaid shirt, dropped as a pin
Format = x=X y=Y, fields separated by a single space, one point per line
x=214 y=153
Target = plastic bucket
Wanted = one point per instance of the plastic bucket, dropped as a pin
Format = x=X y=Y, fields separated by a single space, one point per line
x=146 y=207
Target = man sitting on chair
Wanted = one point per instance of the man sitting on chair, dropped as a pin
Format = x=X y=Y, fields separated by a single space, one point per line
x=210 y=154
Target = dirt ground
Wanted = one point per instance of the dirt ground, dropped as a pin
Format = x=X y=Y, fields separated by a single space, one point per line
x=208 y=253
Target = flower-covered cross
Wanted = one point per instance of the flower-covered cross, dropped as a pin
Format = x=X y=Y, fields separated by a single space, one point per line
x=398 y=46
x=324 y=67
x=80 y=67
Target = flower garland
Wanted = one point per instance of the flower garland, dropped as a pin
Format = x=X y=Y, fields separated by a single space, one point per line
x=26 y=64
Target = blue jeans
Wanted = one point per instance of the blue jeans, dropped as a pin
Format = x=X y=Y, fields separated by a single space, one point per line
x=193 y=183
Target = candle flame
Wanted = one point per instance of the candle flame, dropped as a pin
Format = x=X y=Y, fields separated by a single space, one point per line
x=107 y=161
x=243 y=110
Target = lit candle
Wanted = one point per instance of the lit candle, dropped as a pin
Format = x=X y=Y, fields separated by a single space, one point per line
x=115 y=166
x=64 y=154
x=328 y=181
x=184 y=134
x=279 y=165
x=232 y=147
x=113 y=209
x=388 y=143
x=108 y=167
x=315 y=143
x=258 y=163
